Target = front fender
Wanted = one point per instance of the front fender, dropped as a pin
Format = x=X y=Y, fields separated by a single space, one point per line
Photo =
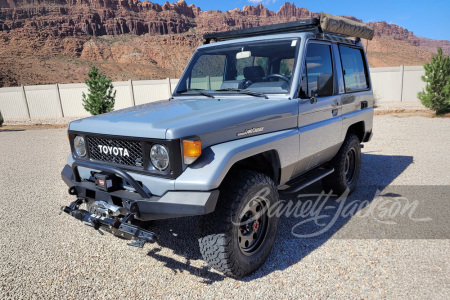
x=208 y=172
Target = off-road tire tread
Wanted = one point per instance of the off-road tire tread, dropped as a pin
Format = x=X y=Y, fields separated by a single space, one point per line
x=215 y=240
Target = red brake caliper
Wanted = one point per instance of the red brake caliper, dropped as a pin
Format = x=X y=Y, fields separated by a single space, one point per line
x=255 y=225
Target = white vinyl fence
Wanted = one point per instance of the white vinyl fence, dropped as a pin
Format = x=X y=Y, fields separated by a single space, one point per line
x=397 y=84
x=393 y=84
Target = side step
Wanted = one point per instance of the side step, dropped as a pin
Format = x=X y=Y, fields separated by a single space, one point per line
x=305 y=180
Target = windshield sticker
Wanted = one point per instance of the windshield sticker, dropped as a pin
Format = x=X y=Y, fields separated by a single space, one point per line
x=294 y=43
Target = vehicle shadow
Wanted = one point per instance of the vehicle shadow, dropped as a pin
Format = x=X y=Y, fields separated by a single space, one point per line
x=291 y=245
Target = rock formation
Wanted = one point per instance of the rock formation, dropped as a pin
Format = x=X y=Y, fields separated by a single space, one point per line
x=144 y=40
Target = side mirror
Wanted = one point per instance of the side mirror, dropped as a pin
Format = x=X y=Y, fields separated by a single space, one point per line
x=325 y=85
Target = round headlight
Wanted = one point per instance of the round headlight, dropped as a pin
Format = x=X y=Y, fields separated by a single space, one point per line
x=80 y=146
x=159 y=157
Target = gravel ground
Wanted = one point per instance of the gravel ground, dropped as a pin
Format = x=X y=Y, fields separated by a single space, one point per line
x=42 y=121
x=48 y=255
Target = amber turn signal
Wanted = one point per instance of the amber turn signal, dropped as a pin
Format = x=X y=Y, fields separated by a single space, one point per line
x=191 y=150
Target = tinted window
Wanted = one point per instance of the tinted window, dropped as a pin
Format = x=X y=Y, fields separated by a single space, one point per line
x=353 y=69
x=318 y=61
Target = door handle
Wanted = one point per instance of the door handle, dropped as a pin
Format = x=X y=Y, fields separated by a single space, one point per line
x=334 y=112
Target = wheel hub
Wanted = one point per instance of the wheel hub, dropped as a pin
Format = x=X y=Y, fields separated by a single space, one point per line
x=350 y=165
x=253 y=227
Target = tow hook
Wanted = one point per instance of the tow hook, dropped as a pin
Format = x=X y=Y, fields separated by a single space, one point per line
x=73 y=206
x=73 y=191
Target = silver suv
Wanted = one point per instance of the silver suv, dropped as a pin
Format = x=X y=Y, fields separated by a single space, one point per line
x=259 y=112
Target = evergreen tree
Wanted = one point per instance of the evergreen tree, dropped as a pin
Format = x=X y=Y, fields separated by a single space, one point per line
x=436 y=95
x=101 y=96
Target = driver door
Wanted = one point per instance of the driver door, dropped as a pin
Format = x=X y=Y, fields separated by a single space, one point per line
x=319 y=121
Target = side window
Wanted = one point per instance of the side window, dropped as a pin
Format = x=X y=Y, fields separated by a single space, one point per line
x=353 y=68
x=318 y=61
x=207 y=72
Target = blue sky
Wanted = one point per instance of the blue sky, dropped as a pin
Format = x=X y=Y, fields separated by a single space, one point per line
x=429 y=19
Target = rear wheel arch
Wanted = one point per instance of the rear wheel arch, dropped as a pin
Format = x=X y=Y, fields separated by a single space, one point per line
x=359 y=129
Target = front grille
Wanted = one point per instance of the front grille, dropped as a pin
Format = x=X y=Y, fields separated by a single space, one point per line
x=116 y=151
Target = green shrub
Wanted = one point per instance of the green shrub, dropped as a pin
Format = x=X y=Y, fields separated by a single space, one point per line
x=1 y=119
x=101 y=96
x=436 y=95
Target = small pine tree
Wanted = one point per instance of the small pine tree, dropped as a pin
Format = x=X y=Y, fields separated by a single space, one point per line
x=101 y=96
x=436 y=95
x=1 y=119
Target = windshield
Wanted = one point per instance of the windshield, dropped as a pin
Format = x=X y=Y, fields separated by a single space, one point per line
x=262 y=67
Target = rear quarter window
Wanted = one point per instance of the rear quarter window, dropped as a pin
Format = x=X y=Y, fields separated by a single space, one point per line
x=354 y=69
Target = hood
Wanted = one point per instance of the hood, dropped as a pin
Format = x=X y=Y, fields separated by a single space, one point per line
x=173 y=119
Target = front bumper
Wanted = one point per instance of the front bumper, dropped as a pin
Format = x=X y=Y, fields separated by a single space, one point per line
x=137 y=201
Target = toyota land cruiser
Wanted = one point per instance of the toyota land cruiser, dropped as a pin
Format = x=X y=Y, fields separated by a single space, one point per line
x=257 y=112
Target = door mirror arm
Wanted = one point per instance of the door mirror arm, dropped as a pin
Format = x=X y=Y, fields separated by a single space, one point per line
x=313 y=98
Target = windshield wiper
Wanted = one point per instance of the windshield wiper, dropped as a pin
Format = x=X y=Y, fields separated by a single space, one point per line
x=200 y=91
x=247 y=92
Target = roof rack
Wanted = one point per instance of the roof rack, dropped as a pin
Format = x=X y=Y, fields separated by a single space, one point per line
x=335 y=27
x=340 y=38
x=309 y=25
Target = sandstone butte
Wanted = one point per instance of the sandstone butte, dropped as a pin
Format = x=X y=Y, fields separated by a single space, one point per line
x=57 y=41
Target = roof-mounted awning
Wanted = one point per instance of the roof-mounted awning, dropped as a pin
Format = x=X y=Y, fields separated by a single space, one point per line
x=344 y=26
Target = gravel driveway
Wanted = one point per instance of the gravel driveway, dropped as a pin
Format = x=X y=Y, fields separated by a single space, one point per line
x=48 y=255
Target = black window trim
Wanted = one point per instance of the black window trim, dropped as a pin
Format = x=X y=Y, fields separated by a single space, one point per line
x=366 y=68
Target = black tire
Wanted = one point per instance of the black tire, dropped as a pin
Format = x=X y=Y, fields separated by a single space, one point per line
x=230 y=242
x=347 y=166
